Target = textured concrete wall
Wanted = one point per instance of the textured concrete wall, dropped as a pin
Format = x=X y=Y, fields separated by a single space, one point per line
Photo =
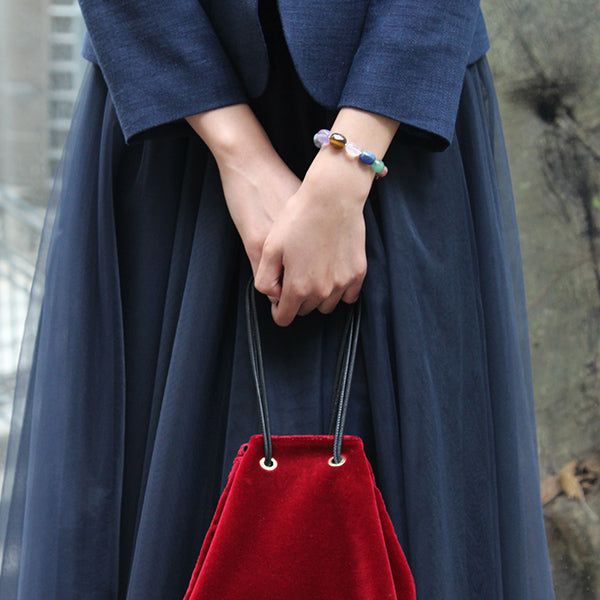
x=546 y=60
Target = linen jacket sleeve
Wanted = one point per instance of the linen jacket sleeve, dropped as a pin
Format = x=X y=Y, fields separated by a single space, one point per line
x=160 y=65
x=410 y=65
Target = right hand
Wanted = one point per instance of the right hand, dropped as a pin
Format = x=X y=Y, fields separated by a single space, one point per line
x=314 y=256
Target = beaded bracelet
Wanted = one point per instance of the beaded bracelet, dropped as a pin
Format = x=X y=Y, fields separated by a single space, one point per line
x=337 y=140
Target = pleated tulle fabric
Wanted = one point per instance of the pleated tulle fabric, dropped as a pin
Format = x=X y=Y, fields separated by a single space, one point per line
x=135 y=390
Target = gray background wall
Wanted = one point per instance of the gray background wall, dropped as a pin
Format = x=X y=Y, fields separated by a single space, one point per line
x=546 y=60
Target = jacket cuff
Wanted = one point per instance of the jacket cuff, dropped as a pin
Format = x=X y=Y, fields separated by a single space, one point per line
x=419 y=81
x=159 y=70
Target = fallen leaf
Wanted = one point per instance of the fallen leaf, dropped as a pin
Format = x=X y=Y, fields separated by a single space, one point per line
x=569 y=483
x=550 y=489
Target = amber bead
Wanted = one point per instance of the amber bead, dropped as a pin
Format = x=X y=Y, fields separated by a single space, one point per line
x=337 y=140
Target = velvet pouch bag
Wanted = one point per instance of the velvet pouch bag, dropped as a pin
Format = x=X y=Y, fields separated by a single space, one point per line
x=301 y=517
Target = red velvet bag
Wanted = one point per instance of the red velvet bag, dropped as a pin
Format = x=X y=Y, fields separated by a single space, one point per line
x=301 y=517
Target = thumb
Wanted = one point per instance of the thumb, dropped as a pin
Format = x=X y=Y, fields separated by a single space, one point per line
x=270 y=273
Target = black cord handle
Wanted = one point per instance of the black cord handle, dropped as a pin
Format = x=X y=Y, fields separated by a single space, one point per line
x=343 y=378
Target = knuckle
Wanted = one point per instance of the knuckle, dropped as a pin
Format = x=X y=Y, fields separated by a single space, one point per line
x=260 y=283
x=323 y=292
x=355 y=296
x=267 y=247
x=327 y=309
x=361 y=264
x=339 y=283
x=360 y=273
x=300 y=289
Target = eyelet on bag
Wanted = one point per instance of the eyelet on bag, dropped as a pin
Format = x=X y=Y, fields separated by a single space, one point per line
x=334 y=464
x=263 y=464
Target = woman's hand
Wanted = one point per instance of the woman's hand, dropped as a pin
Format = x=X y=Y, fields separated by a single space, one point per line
x=256 y=182
x=306 y=243
x=314 y=255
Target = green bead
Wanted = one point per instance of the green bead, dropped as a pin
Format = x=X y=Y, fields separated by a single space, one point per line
x=378 y=166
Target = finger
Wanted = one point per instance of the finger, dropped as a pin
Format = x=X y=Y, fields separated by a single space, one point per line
x=289 y=304
x=328 y=305
x=269 y=275
x=350 y=296
x=311 y=303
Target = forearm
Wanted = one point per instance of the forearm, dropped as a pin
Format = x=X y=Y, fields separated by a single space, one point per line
x=256 y=182
x=234 y=135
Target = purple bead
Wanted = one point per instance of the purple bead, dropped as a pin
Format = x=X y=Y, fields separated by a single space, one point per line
x=367 y=157
x=321 y=138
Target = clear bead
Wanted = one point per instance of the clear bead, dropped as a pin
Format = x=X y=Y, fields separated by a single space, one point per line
x=352 y=149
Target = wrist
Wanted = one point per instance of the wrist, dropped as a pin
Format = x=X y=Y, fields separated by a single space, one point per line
x=339 y=179
x=233 y=134
x=368 y=130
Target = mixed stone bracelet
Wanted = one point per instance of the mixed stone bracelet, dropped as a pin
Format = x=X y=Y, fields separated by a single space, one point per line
x=337 y=140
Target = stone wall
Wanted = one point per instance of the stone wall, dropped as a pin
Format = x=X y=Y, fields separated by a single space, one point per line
x=546 y=60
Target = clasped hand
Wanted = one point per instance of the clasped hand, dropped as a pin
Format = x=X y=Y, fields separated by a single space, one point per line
x=305 y=239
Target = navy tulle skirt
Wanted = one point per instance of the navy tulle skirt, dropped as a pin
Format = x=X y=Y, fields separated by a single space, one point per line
x=135 y=389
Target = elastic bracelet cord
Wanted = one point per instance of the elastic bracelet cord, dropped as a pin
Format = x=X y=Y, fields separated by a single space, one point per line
x=323 y=137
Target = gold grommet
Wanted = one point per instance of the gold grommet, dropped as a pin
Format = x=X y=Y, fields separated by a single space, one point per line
x=263 y=464
x=334 y=464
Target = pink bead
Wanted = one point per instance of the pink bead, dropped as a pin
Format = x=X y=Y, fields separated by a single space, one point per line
x=383 y=173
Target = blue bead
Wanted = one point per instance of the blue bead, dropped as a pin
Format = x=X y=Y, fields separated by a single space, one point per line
x=367 y=157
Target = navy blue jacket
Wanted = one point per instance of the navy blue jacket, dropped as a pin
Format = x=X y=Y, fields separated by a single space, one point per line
x=404 y=59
